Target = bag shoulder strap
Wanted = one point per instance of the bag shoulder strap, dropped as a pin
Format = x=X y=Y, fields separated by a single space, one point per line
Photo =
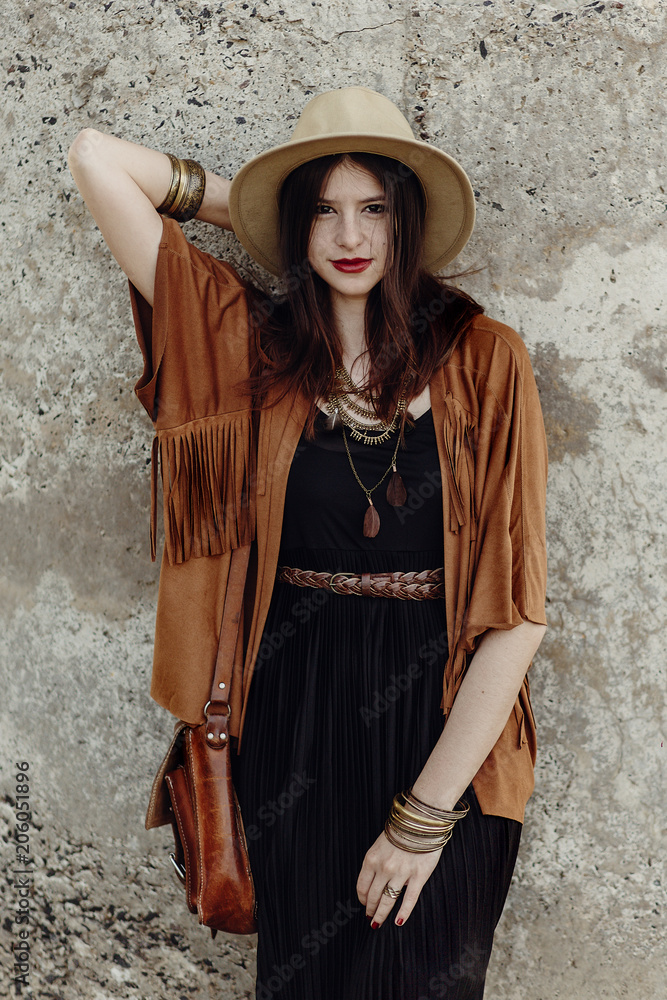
x=218 y=709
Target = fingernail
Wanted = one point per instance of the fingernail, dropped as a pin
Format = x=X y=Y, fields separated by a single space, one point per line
x=374 y=925
x=399 y=921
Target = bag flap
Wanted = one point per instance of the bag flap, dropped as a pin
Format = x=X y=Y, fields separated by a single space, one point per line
x=159 y=807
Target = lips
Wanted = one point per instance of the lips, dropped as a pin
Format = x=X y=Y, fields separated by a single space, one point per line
x=352 y=265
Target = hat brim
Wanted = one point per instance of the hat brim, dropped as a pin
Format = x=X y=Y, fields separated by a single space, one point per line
x=450 y=201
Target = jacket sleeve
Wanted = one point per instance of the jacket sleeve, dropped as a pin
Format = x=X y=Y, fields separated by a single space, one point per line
x=195 y=346
x=509 y=544
x=194 y=340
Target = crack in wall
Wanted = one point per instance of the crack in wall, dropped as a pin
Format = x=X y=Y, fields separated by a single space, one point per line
x=370 y=27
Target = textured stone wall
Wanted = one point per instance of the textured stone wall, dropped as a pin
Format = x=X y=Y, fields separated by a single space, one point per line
x=558 y=116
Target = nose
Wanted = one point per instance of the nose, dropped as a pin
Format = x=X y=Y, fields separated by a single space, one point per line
x=348 y=233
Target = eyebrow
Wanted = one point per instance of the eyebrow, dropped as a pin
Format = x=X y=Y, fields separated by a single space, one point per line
x=363 y=201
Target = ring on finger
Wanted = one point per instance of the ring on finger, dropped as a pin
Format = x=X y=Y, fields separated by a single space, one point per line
x=389 y=891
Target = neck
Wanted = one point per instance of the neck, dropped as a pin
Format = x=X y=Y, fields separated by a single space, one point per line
x=350 y=320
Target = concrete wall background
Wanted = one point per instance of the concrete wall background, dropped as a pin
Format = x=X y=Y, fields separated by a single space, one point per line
x=558 y=116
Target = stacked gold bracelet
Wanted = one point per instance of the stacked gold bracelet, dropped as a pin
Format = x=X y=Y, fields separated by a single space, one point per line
x=419 y=828
x=186 y=190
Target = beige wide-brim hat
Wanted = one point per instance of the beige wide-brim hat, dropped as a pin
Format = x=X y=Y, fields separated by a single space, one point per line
x=353 y=119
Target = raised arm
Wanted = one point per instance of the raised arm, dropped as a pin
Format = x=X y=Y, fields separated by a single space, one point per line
x=122 y=183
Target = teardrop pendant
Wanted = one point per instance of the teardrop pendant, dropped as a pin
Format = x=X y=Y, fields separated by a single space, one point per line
x=333 y=420
x=396 y=492
x=371 y=521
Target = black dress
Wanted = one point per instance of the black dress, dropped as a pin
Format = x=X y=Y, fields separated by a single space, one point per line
x=343 y=711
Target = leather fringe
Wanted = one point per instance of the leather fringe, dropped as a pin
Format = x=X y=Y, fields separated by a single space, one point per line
x=452 y=681
x=207 y=469
x=459 y=446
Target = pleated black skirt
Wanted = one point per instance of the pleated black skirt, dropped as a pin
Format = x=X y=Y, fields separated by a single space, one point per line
x=343 y=712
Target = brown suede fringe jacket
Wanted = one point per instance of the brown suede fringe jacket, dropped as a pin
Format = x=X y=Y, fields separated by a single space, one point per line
x=224 y=476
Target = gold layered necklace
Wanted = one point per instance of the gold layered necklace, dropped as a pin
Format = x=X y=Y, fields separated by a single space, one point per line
x=343 y=409
x=341 y=405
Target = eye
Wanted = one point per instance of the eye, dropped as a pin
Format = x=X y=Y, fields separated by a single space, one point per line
x=378 y=209
x=323 y=209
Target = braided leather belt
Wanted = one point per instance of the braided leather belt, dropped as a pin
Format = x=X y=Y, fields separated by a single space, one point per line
x=423 y=586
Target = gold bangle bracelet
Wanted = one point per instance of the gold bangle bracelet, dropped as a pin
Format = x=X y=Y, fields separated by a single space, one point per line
x=181 y=192
x=186 y=190
x=416 y=836
x=194 y=194
x=405 y=807
x=435 y=811
x=414 y=849
x=415 y=830
x=166 y=205
x=414 y=826
x=427 y=822
x=418 y=843
x=191 y=191
x=420 y=829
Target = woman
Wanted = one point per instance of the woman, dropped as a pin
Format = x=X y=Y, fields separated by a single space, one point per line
x=358 y=433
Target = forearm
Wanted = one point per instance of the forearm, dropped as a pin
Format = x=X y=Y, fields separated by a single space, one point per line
x=149 y=168
x=479 y=714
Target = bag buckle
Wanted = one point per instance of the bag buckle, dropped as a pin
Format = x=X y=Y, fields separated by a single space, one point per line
x=178 y=868
x=216 y=725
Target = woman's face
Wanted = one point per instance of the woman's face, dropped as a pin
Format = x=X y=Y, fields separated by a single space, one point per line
x=350 y=235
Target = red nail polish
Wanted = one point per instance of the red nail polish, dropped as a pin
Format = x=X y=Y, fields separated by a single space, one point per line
x=399 y=921
x=374 y=925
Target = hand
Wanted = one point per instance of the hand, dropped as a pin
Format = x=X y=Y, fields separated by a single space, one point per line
x=384 y=864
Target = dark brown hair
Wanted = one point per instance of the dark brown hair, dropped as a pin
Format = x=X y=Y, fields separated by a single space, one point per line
x=414 y=320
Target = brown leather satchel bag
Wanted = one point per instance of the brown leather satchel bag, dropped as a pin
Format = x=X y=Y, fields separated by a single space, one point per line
x=193 y=791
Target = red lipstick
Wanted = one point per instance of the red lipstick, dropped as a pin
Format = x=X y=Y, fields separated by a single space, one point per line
x=352 y=265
